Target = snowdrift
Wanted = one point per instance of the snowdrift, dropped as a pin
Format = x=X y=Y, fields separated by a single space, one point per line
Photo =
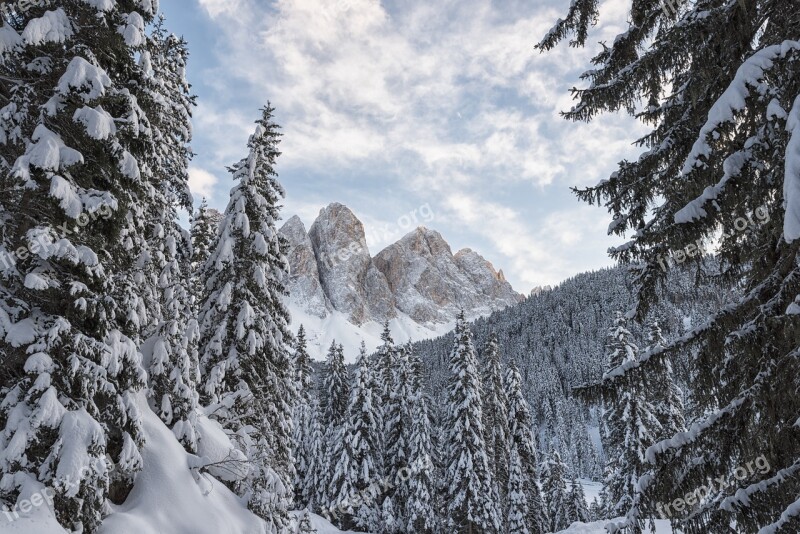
x=168 y=496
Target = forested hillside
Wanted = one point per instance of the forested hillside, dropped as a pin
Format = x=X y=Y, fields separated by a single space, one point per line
x=557 y=338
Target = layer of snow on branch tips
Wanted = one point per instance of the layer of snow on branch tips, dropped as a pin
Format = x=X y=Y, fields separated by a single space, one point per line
x=80 y=73
x=791 y=182
x=98 y=123
x=52 y=27
x=732 y=101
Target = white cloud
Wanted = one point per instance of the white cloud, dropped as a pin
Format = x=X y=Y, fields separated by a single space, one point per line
x=201 y=182
x=447 y=102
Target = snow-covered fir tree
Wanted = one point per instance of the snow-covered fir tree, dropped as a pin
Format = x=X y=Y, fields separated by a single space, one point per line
x=596 y=510
x=302 y=418
x=716 y=86
x=204 y=236
x=556 y=494
x=335 y=392
x=304 y=524
x=398 y=428
x=172 y=350
x=629 y=428
x=517 y=496
x=664 y=394
x=469 y=497
x=520 y=425
x=418 y=492
x=334 y=397
x=314 y=489
x=248 y=378
x=73 y=155
x=495 y=417
x=358 y=457
x=386 y=368
x=578 y=510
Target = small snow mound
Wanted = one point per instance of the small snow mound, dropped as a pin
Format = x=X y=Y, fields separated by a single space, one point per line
x=167 y=498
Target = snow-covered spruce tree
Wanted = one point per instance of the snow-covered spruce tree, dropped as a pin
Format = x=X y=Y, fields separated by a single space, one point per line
x=398 y=429
x=172 y=348
x=334 y=397
x=387 y=365
x=317 y=470
x=664 y=394
x=335 y=388
x=204 y=235
x=556 y=494
x=578 y=510
x=357 y=468
x=469 y=498
x=718 y=84
x=596 y=510
x=304 y=524
x=629 y=428
x=517 y=496
x=520 y=425
x=495 y=417
x=248 y=381
x=417 y=493
x=304 y=384
x=73 y=143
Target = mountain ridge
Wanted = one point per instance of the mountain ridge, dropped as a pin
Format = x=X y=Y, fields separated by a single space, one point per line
x=418 y=283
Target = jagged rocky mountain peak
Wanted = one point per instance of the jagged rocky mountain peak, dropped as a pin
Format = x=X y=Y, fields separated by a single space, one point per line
x=417 y=280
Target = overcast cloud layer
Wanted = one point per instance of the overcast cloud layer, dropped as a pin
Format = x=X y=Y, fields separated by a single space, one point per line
x=391 y=106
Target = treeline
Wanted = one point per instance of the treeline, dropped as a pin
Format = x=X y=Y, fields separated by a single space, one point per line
x=375 y=455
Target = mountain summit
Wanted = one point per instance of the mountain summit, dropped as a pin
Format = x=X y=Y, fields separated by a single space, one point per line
x=416 y=283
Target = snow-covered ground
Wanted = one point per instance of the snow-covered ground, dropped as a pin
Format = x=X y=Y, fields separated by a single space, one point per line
x=598 y=527
x=322 y=331
x=169 y=496
x=592 y=490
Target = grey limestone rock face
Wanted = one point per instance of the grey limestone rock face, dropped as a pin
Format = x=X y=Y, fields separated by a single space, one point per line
x=304 y=283
x=331 y=269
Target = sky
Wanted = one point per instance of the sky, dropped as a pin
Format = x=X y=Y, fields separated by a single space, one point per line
x=413 y=112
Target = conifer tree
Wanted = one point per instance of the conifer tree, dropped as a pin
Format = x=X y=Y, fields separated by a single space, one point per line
x=578 y=510
x=418 y=493
x=520 y=424
x=629 y=428
x=335 y=388
x=204 y=235
x=302 y=420
x=554 y=487
x=73 y=155
x=517 y=516
x=468 y=485
x=664 y=394
x=716 y=83
x=596 y=511
x=398 y=421
x=174 y=371
x=387 y=365
x=314 y=488
x=334 y=398
x=360 y=471
x=304 y=524
x=248 y=376
x=495 y=417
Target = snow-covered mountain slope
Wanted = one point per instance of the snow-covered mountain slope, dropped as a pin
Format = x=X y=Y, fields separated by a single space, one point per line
x=339 y=291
